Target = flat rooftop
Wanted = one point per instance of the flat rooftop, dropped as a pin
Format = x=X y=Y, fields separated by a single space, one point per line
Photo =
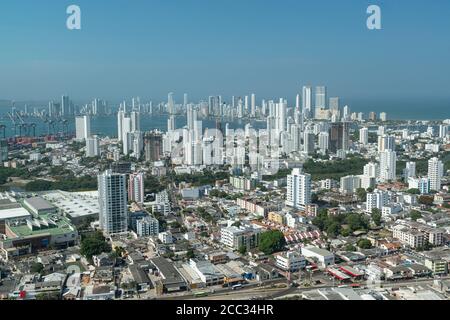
x=39 y=203
x=62 y=226
x=75 y=204
x=13 y=213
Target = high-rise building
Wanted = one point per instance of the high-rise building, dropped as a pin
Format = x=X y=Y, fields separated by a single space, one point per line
x=364 y=136
x=127 y=136
x=92 y=147
x=136 y=188
x=324 y=138
x=3 y=150
x=443 y=131
x=388 y=165
x=135 y=121
x=435 y=173
x=410 y=170
x=83 y=127
x=308 y=142
x=339 y=136
x=112 y=197
x=307 y=101
x=298 y=189
x=120 y=117
x=383 y=116
x=253 y=105
x=153 y=147
x=170 y=104
x=65 y=105
x=372 y=170
x=386 y=142
x=321 y=97
x=334 y=106
x=377 y=200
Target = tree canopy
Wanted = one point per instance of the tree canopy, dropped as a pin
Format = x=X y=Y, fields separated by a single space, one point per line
x=272 y=241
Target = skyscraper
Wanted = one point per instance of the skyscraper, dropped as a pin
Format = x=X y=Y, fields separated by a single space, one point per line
x=136 y=188
x=386 y=142
x=83 y=127
x=253 y=105
x=388 y=165
x=364 y=136
x=298 y=189
x=321 y=97
x=120 y=117
x=135 y=121
x=339 y=136
x=112 y=197
x=410 y=170
x=65 y=105
x=92 y=147
x=435 y=173
x=307 y=101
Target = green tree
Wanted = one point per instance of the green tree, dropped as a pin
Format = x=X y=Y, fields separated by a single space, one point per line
x=272 y=241
x=376 y=216
x=36 y=267
x=333 y=229
x=242 y=250
x=190 y=254
x=364 y=244
x=362 y=194
x=350 y=247
x=94 y=244
x=415 y=215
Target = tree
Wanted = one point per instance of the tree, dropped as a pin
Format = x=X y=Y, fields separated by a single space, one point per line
x=415 y=215
x=362 y=194
x=190 y=254
x=94 y=244
x=413 y=191
x=36 y=267
x=333 y=229
x=242 y=250
x=376 y=216
x=350 y=247
x=364 y=244
x=272 y=241
x=426 y=200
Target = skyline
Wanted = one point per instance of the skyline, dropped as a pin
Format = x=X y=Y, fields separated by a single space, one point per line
x=163 y=46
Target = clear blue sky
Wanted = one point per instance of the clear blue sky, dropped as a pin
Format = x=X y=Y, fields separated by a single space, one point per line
x=270 y=47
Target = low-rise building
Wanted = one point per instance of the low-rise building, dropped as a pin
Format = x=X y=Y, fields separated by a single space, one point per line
x=290 y=261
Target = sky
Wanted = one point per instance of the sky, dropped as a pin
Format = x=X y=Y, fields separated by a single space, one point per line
x=228 y=47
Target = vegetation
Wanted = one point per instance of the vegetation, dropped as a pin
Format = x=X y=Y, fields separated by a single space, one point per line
x=272 y=241
x=334 y=225
x=415 y=215
x=69 y=183
x=94 y=244
x=36 y=267
x=7 y=173
x=364 y=244
x=242 y=250
x=362 y=194
x=335 y=169
x=376 y=216
x=426 y=200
